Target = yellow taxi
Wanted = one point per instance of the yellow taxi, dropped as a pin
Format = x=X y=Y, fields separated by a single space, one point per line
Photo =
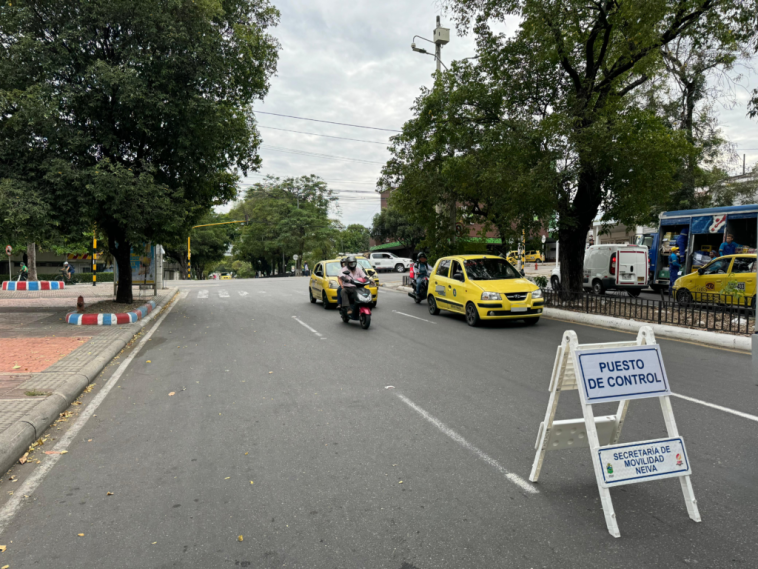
x=730 y=279
x=225 y=277
x=529 y=257
x=483 y=287
x=324 y=281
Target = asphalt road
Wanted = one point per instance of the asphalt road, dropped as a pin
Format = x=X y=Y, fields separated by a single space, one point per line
x=282 y=430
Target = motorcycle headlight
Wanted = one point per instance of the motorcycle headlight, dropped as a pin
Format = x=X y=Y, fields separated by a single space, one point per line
x=334 y=284
x=491 y=296
x=536 y=294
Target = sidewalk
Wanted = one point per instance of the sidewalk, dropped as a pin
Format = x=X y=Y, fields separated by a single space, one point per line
x=45 y=363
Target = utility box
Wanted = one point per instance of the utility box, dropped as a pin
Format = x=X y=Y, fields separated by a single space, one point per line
x=442 y=36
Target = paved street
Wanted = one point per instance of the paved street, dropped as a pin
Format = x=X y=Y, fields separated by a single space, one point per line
x=254 y=429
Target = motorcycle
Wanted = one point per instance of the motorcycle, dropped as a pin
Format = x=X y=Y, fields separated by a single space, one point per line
x=361 y=310
x=424 y=287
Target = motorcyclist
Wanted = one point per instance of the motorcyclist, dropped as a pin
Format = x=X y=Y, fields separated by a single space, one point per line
x=66 y=271
x=674 y=266
x=339 y=288
x=347 y=277
x=23 y=273
x=421 y=271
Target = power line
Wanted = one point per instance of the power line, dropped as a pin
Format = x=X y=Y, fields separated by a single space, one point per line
x=323 y=135
x=330 y=180
x=328 y=122
x=328 y=156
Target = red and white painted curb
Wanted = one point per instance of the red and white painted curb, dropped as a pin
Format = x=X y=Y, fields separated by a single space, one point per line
x=33 y=285
x=110 y=319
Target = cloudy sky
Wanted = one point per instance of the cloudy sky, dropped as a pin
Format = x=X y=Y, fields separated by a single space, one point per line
x=350 y=61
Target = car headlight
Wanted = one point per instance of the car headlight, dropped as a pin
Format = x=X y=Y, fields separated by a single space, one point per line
x=491 y=296
x=334 y=284
x=536 y=294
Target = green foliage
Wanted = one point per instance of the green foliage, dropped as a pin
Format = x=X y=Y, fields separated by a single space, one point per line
x=552 y=119
x=139 y=126
x=208 y=244
x=392 y=225
x=287 y=217
x=354 y=239
x=540 y=281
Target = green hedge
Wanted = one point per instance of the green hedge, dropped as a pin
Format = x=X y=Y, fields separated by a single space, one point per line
x=79 y=277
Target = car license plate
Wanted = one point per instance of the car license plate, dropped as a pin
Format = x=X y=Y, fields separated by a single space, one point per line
x=519 y=309
x=640 y=279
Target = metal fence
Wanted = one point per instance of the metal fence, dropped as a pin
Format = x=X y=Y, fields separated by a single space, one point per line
x=716 y=312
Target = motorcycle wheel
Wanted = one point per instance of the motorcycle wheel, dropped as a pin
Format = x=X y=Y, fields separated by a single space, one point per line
x=365 y=321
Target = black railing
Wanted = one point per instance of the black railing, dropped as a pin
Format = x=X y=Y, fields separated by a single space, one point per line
x=720 y=313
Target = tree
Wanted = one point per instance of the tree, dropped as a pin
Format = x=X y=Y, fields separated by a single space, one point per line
x=140 y=126
x=287 y=217
x=208 y=244
x=391 y=225
x=354 y=239
x=588 y=58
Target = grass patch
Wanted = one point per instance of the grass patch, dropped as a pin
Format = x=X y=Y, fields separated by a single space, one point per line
x=35 y=393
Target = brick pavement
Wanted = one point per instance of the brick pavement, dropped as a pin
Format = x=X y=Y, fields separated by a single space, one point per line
x=32 y=355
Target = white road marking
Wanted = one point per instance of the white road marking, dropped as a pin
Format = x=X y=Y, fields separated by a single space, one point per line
x=223 y=294
x=13 y=505
x=243 y=292
x=262 y=291
x=719 y=407
x=306 y=326
x=515 y=478
x=416 y=317
x=202 y=293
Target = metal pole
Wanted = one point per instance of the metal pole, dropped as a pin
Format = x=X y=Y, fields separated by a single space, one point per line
x=189 y=256
x=438 y=50
x=94 y=257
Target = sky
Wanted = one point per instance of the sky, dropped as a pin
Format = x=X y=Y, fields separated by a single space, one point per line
x=350 y=61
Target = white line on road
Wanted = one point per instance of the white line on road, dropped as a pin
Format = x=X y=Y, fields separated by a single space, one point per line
x=719 y=407
x=32 y=483
x=306 y=326
x=202 y=293
x=416 y=317
x=515 y=478
x=223 y=294
x=243 y=292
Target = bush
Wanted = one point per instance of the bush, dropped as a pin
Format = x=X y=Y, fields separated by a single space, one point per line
x=540 y=281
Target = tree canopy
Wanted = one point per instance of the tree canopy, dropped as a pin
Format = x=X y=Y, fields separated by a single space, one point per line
x=132 y=113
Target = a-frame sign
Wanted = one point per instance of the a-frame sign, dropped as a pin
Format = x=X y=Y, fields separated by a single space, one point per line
x=615 y=371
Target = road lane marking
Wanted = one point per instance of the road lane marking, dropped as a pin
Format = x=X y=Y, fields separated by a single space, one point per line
x=306 y=326
x=202 y=293
x=223 y=294
x=515 y=478
x=416 y=317
x=13 y=505
x=719 y=407
x=242 y=292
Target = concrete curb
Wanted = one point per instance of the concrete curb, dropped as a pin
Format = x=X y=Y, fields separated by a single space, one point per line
x=15 y=440
x=698 y=336
x=33 y=285
x=113 y=319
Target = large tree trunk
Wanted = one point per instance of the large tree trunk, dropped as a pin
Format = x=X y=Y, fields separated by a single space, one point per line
x=31 y=253
x=573 y=225
x=122 y=255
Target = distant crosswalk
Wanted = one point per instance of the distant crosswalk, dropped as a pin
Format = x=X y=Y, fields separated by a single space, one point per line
x=222 y=293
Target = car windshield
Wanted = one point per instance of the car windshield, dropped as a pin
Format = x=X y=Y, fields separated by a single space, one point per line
x=365 y=264
x=333 y=269
x=489 y=269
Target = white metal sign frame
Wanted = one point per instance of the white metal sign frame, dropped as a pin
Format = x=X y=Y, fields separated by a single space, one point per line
x=590 y=431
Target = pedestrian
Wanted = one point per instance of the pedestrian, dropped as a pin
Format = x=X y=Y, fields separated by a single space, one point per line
x=729 y=247
x=681 y=243
x=306 y=271
x=674 y=266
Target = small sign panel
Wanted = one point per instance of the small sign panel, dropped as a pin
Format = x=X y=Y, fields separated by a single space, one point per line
x=618 y=374
x=639 y=462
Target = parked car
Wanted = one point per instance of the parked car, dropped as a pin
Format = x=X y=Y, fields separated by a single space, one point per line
x=730 y=279
x=611 y=267
x=390 y=262
x=226 y=276
x=529 y=257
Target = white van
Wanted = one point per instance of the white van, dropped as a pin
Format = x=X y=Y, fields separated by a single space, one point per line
x=612 y=267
